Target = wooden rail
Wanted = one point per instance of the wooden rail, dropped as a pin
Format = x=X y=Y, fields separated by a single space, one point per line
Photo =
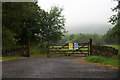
x=68 y=50
x=83 y=48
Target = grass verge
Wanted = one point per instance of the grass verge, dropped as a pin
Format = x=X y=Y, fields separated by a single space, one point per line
x=9 y=58
x=104 y=60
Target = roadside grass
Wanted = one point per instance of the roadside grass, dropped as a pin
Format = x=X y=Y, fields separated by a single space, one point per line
x=104 y=60
x=8 y=58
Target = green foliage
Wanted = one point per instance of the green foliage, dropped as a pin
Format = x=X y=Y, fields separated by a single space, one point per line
x=97 y=39
x=114 y=18
x=19 y=18
x=103 y=60
x=53 y=30
x=8 y=38
x=25 y=23
x=114 y=33
x=110 y=40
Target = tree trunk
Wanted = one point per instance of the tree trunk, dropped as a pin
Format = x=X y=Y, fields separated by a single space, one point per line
x=28 y=48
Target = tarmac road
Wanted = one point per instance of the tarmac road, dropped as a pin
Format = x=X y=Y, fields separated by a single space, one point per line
x=58 y=67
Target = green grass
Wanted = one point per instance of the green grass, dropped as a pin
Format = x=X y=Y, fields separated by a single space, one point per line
x=114 y=46
x=8 y=58
x=103 y=60
x=37 y=51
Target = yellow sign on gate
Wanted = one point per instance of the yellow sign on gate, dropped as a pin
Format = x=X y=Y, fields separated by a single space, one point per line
x=70 y=45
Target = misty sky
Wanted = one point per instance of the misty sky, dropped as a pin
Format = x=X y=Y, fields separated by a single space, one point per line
x=83 y=16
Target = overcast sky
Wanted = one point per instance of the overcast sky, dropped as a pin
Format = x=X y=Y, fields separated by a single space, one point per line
x=83 y=16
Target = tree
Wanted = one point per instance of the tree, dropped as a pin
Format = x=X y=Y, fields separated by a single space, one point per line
x=115 y=20
x=21 y=19
x=29 y=23
x=56 y=24
x=7 y=37
x=72 y=36
x=53 y=28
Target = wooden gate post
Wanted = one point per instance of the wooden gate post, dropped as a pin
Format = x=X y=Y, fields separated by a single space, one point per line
x=48 y=46
x=90 y=46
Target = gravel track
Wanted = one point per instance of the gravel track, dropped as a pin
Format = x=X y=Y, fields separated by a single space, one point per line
x=57 y=67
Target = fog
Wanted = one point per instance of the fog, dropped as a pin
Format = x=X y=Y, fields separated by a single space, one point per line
x=89 y=28
x=84 y=16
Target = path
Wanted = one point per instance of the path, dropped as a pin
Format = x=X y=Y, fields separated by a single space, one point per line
x=59 y=67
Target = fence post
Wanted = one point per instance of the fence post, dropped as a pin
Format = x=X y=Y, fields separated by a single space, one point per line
x=48 y=45
x=90 y=47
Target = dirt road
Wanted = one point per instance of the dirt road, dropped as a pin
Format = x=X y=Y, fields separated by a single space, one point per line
x=58 y=67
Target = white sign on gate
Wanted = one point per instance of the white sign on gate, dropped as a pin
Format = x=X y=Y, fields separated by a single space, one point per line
x=75 y=45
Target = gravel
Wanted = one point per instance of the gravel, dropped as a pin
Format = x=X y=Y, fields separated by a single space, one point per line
x=57 y=67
